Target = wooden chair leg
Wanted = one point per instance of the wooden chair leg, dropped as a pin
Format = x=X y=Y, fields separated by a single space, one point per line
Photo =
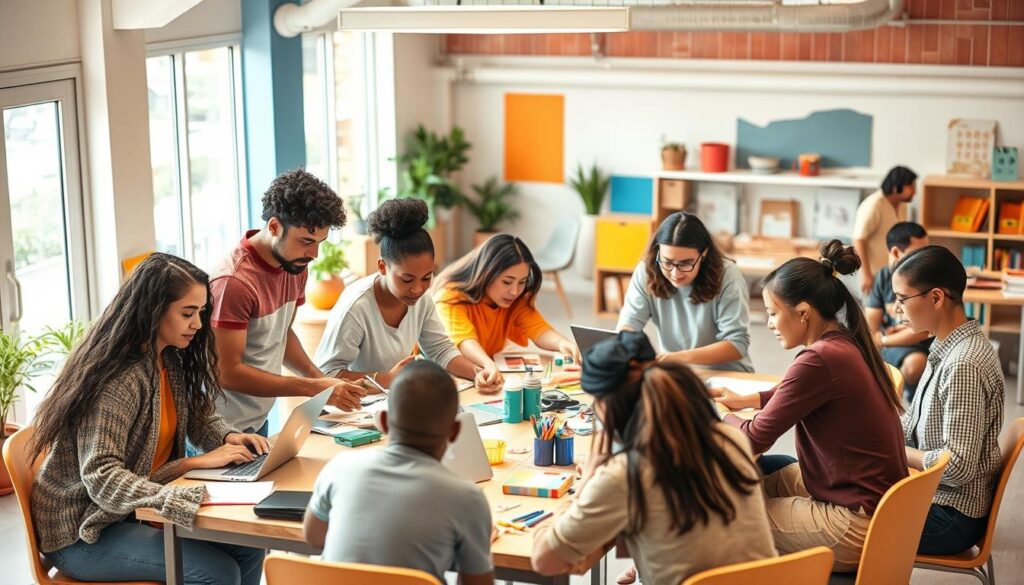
x=561 y=294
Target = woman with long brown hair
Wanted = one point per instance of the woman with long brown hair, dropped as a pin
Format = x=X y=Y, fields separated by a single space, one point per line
x=488 y=298
x=113 y=430
x=665 y=472
x=696 y=298
x=839 y=396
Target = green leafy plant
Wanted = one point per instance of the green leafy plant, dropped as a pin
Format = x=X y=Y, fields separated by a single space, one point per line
x=672 y=146
x=329 y=262
x=592 y=186
x=64 y=339
x=20 y=361
x=493 y=205
x=354 y=205
x=429 y=161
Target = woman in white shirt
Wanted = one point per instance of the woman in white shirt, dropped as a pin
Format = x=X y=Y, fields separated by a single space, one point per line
x=380 y=320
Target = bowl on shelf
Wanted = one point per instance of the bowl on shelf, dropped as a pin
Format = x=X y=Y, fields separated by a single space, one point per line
x=763 y=165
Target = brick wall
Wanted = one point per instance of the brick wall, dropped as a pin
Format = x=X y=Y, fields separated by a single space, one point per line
x=944 y=44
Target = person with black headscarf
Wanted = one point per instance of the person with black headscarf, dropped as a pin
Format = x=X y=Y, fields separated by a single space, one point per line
x=680 y=485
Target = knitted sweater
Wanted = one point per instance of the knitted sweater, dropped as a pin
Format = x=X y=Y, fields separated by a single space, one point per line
x=99 y=476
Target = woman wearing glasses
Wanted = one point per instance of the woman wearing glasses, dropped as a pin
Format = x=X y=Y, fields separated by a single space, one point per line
x=958 y=406
x=697 y=299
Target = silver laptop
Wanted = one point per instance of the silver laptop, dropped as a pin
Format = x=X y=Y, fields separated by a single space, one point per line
x=288 y=444
x=586 y=337
x=466 y=456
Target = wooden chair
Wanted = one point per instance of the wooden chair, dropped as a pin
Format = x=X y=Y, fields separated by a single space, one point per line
x=978 y=560
x=22 y=473
x=807 y=567
x=895 y=528
x=280 y=569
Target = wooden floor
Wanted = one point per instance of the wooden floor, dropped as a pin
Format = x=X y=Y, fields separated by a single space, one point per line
x=768 y=358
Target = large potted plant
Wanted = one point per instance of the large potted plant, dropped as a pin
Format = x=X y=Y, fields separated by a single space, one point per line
x=592 y=187
x=20 y=361
x=491 y=207
x=430 y=160
x=326 y=285
x=354 y=206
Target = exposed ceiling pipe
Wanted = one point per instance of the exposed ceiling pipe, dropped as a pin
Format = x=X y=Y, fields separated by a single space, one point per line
x=669 y=15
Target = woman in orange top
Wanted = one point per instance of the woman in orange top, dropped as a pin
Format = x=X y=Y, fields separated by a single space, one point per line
x=486 y=299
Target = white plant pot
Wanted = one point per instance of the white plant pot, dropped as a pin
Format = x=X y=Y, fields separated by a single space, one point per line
x=585 y=247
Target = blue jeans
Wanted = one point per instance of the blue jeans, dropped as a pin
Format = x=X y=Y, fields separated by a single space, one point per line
x=948 y=532
x=769 y=464
x=193 y=451
x=128 y=551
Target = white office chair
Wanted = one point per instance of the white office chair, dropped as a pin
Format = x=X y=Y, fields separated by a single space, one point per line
x=558 y=253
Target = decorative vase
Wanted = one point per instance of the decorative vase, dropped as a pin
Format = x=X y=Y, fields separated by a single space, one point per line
x=585 y=247
x=322 y=294
x=673 y=159
x=6 y=485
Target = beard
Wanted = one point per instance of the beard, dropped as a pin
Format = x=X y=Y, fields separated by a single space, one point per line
x=296 y=266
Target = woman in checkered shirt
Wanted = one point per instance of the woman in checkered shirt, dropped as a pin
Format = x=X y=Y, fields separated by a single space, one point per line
x=959 y=405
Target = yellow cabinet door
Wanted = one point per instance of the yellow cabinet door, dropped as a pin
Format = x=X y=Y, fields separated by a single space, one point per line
x=620 y=243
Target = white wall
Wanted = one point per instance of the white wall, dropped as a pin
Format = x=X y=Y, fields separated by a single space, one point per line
x=616 y=114
x=208 y=18
x=38 y=32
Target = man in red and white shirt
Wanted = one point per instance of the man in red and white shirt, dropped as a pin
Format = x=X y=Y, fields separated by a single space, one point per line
x=256 y=292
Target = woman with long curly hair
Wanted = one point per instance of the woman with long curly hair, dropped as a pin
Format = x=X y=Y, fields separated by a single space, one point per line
x=112 y=435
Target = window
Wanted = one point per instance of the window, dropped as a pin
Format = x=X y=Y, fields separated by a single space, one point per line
x=200 y=202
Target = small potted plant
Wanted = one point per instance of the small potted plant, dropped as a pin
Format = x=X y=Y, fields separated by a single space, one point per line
x=326 y=285
x=592 y=187
x=354 y=206
x=673 y=156
x=492 y=207
x=20 y=361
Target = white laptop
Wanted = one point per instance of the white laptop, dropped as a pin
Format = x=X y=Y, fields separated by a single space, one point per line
x=288 y=444
x=466 y=456
x=586 y=337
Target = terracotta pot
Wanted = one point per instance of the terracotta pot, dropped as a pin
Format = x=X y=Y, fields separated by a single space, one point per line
x=480 y=237
x=322 y=294
x=672 y=159
x=6 y=486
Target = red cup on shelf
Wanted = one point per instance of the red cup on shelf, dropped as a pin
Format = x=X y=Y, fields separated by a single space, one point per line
x=714 y=157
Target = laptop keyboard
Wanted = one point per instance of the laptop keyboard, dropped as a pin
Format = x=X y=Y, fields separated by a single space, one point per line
x=247 y=469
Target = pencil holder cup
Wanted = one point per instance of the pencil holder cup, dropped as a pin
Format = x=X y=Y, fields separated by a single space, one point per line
x=531 y=398
x=564 y=451
x=543 y=452
x=495 y=449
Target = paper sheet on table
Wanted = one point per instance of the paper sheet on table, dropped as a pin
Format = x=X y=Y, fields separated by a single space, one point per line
x=237 y=494
x=742 y=387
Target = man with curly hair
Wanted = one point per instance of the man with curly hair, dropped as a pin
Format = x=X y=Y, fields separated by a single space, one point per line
x=256 y=292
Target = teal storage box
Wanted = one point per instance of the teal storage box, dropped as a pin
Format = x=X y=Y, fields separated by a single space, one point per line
x=1005 y=165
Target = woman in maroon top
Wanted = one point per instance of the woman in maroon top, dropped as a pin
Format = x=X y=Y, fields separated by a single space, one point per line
x=838 y=394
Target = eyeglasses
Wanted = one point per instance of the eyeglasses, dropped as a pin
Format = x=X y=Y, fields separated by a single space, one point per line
x=683 y=267
x=900 y=302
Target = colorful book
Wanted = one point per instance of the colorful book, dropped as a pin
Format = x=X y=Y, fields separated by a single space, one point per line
x=968 y=214
x=541 y=484
x=1009 y=217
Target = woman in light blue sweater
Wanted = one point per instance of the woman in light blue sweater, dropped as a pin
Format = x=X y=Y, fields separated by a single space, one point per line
x=696 y=298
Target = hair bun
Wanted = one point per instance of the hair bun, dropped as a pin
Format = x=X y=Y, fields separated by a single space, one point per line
x=839 y=257
x=397 y=219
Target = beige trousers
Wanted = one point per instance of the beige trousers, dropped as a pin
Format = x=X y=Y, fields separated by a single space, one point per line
x=800 y=522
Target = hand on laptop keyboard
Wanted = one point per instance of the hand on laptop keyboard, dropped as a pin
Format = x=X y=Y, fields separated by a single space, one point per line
x=247 y=469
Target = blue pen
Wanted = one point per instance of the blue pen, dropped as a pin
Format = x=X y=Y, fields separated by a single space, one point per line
x=529 y=516
x=534 y=521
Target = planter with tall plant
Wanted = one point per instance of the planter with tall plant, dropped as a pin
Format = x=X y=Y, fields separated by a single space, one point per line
x=429 y=162
x=326 y=285
x=592 y=186
x=21 y=359
x=492 y=206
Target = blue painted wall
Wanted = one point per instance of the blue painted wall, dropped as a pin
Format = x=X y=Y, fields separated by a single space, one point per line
x=842 y=138
x=272 y=101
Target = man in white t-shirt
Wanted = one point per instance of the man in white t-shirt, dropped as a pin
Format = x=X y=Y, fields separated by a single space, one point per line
x=875 y=217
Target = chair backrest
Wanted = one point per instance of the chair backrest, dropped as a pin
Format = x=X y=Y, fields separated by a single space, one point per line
x=807 y=567
x=1010 y=445
x=895 y=529
x=22 y=472
x=897 y=380
x=284 y=570
x=561 y=246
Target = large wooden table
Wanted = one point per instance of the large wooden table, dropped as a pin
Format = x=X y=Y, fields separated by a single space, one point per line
x=996 y=297
x=511 y=552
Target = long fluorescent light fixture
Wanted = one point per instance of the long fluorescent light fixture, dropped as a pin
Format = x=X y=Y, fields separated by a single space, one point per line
x=478 y=19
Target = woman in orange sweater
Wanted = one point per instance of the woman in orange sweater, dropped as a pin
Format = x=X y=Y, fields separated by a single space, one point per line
x=486 y=299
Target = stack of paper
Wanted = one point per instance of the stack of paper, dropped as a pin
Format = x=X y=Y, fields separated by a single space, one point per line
x=237 y=494
x=1013 y=283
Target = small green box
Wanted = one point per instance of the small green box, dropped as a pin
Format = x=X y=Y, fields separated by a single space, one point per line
x=357 y=437
x=1005 y=163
